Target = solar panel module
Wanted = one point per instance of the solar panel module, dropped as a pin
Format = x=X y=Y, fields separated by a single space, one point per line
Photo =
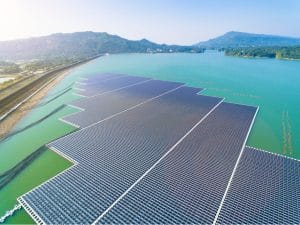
x=188 y=185
x=156 y=152
x=105 y=85
x=84 y=83
x=265 y=190
x=113 y=154
x=102 y=106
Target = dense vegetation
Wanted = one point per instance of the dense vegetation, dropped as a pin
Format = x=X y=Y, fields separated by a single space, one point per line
x=81 y=45
x=33 y=66
x=47 y=64
x=255 y=45
x=270 y=52
x=9 y=68
x=240 y=40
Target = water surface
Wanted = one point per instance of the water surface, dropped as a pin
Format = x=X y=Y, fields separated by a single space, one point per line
x=271 y=84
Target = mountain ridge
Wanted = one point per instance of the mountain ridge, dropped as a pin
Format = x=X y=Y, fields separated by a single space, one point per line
x=235 y=39
x=81 y=45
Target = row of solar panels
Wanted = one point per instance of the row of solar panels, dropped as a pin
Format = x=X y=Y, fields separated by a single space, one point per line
x=166 y=155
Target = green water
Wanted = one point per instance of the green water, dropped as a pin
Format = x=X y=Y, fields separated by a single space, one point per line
x=273 y=85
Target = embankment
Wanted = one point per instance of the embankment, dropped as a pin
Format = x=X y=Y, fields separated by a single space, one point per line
x=16 y=105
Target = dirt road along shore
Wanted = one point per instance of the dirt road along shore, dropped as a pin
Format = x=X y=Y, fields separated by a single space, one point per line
x=37 y=93
x=8 y=123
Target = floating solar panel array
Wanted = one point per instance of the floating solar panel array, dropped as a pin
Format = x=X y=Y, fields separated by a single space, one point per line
x=264 y=190
x=157 y=152
x=118 y=101
x=110 y=82
x=187 y=186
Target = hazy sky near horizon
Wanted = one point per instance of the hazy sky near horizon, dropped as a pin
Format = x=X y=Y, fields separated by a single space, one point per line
x=162 y=21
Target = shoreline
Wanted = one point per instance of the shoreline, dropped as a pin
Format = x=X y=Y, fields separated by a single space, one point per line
x=262 y=57
x=11 y=120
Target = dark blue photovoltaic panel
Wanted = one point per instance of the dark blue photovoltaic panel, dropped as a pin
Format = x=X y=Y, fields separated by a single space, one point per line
x=187 y=186
x=102 y=106
x=109 y=85
x=113 y=154
x=265 y=190
x=96 y=78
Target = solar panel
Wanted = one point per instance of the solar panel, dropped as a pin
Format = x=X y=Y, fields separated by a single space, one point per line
x=100 y=107
x=264 y=190
x=109 y=84
x=93 y=80
x=170 y=160
x=101 y=76
x=187 y=186
x=113 y=154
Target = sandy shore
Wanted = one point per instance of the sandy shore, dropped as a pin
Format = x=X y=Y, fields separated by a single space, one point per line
x=7 y=124
x=16 y=115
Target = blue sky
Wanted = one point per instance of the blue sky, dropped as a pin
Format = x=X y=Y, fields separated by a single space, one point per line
x=162 y=21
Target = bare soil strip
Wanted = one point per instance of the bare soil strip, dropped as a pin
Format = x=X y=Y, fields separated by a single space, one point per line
x=11 y=101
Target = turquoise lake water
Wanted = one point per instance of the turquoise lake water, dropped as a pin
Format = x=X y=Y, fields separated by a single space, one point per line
x=271 y=84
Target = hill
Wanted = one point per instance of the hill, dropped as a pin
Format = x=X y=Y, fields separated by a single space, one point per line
x=239 y=40
x=291 y=52
x=81 y=45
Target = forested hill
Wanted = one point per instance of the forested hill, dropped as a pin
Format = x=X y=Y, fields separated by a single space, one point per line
x=292 y=52
x=81 y=45
x=239 y=39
